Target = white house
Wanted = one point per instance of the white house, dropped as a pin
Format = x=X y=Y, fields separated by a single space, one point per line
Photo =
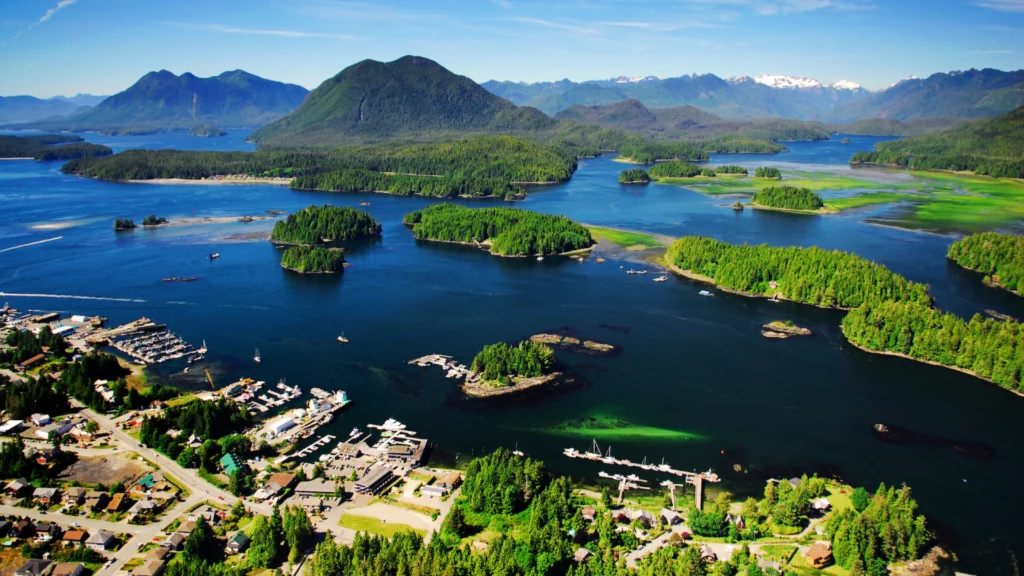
x=40 y=419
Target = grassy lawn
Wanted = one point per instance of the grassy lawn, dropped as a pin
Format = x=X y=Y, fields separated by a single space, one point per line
x=626 y=239
x=870 y=199
x=840 y=501
x=182 y=400
x=212 y=479
x=375 y=526
x=778 y=553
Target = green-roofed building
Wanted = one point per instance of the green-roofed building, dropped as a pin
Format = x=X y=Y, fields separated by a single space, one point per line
x=147 y=482
x=231 y=463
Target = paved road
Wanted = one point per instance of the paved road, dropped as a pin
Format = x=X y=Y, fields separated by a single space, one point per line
x=188 y=477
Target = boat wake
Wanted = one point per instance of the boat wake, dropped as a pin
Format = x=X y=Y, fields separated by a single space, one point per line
x=68 y=297
x=30 y=244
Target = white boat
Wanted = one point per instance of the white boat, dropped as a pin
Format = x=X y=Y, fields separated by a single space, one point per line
x=186 y=370
x=203 y=349
x=661 y=279
x=704 y=293
x=540 y=258
x=342 y=338
x=354 y=432
x=214 y=255
x=571 y=452
x=256 y=357
x=393 y=425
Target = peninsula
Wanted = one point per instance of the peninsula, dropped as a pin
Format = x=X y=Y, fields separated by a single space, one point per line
x=1000 y=257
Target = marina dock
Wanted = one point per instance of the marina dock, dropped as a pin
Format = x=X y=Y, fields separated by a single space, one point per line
x=595 y=454
x=452 y=368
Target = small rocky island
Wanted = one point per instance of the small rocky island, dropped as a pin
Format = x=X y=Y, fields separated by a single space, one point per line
x=572 y=344
x=782 y=329
x=501 y=369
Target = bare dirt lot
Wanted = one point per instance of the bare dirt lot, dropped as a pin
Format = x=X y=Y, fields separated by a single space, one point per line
x=105 y=470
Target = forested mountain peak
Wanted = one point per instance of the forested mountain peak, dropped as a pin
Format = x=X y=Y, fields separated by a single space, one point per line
x=162 y=100
x=384 y=99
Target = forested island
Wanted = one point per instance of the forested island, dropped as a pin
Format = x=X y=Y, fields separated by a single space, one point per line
x=634 y=176
x=50 y=147
x=313 y=260
x=988 y=147
x=152 y=220
x=500 y=364
x=828 y=279
x=324 y=224
x=984 y=347
x=494 y=166
x=1000 y=257
x=731 y=169
x=504 y=231
x=768 y=173
x=787 y=198
x=207 y=130
x=674 y=169
x=124 y=224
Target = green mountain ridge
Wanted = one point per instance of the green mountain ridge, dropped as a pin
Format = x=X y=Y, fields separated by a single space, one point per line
x=164 y=101
x=411 y=95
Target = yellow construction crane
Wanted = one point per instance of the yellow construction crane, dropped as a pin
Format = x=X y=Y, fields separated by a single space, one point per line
x=210 y=378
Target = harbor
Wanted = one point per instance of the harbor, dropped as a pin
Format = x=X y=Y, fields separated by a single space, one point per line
x=156 y=346
x=596 y=455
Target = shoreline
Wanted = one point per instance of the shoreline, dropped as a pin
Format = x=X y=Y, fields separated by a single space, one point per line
x=708 y=280
x=480 y=389
x=485 y=245
x=317 y=273
x=818 y=212
x=990 y=284
x=205 y=181
x=931 y=362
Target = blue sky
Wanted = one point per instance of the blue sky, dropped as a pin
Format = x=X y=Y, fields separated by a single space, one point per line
x=50 y=47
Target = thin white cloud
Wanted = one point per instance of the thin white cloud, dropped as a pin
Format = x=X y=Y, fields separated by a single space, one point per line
x=772 y=7
x=49 y=14
x=660 y=26
x=260 y=32
x=1002 y=5
x=991 y=52
x=550 y=24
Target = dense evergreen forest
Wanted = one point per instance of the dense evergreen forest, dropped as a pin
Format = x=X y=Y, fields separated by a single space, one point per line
x=476 y=166
x=1000 y=257
x=209 y=421
x=768 y=172
x=787 y=197
x=650 y=152
x=500 y=362
x=731 y=169
x=359 y=180
x=313 y=259
x=322 y=224
x=634 y=176
x=208 y=130
x=830 y=279
x=887 y=530
x=50 y=147
x=124 y=224
x=991 y=146
x=510 y=231
x=992 y=349
x=674 y=169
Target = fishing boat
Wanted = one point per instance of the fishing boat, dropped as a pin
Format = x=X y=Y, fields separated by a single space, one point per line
x=256 y=357
x=214 y=255
x=354 y=432
x=661 y=279
x=342 y=338
x=704 y=293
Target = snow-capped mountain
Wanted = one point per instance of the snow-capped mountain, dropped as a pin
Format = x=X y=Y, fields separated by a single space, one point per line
x=634 y=80
x=781 y=81
x=901 y=81
x=844 y=85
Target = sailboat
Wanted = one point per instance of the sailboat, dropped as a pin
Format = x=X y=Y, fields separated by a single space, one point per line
x=257 y=356
x=203 y=349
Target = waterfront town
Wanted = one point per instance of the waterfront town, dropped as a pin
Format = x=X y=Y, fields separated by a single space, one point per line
x=99 y=500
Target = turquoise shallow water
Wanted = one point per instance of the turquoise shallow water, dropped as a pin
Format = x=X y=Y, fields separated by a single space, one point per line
x=688 y=363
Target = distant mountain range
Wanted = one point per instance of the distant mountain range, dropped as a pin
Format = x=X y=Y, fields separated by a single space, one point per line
x=410 y=96
x=14 y=109
x=82 y=99
x=970 y=94
x=164 y=101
